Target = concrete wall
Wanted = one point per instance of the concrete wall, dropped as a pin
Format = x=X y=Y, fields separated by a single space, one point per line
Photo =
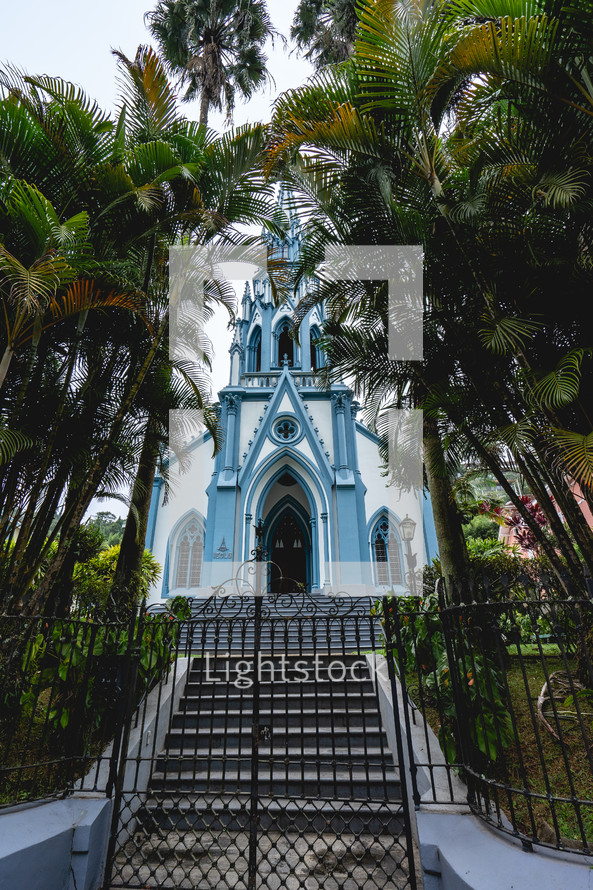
x=55 y=845
x=460 y=852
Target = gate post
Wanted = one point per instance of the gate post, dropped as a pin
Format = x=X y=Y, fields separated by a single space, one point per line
x=117 y=766
x=254 y=800
x=389 y=646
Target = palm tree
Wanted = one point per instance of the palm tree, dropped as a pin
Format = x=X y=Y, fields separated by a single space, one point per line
x=90 y=398
x=215 y=47
x=325 y=30
x=440 y=133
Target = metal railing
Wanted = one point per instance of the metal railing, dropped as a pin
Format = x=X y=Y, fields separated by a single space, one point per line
x=507 y=687
x=269 y=379
x=66 y=685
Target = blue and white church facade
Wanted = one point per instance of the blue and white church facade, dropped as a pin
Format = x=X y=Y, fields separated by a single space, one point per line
x=293 y=456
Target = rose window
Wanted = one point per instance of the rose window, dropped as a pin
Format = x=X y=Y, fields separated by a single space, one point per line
x=286 y=429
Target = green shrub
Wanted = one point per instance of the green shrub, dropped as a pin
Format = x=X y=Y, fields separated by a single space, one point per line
x=81 y=666
x=480 y=528
x=507 y=574
x=420 y=649
x=93 y=579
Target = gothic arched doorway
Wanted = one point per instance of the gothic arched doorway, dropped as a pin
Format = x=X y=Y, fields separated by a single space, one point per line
x=289 y=548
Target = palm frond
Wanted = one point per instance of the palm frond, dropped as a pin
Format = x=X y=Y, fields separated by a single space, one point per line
x=11 y=443
x=506 y=334
x=561 y=386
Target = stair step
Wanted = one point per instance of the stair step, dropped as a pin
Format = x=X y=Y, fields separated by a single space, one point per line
x=232 y=719
x=199 y=813
x=278 y=658
x=366 y=784
x=215 y=684
x=326 y=745
x=308 y=737
x=188 y=760
x=281 y=743
x=194 y=700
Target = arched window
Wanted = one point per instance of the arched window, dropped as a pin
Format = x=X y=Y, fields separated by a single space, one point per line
x=254 y=352
x=386 y=554
x=316 y=352
x=190 y=553
x=285 y=344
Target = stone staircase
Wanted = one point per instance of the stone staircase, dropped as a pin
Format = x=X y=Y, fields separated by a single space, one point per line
x=325 y=783
x=319 y=739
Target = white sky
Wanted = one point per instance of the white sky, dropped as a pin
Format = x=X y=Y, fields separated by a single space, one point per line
x=73 y=39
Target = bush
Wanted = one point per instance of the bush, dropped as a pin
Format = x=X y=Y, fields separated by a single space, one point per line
x=492 y=564
x=93 y=579
x=481 y=528
x=420 y=650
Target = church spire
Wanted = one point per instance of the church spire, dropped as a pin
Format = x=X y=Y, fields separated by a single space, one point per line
x=264 y=333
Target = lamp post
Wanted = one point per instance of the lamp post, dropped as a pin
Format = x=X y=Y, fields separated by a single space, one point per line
x=259 y=556
x=407 y=528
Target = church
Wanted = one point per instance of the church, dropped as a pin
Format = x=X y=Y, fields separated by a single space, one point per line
x=296 y=461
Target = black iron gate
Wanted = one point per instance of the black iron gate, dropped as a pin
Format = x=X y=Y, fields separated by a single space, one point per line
x=267 y=757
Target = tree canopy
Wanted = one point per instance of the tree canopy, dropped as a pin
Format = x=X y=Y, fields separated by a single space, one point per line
x=464 y=127
x=214 y=47
x=89 y=206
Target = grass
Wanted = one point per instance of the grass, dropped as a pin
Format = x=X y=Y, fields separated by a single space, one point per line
x=532 y=650
x=567 y=764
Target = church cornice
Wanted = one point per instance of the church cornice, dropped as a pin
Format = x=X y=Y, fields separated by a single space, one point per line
x=365 y=431
x=169 y=462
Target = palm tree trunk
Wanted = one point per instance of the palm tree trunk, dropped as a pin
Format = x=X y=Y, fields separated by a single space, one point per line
x=128 y=573
x=73 y=520
x=5 y=363
x=204 y=107
x=452 y=549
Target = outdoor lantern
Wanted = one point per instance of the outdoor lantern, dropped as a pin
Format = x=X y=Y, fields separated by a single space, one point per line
x=407 y=528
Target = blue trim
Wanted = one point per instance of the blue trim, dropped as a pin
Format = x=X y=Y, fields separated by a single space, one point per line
x=431 y=544
x=266 y=328
x=165 y=587
x=361 y=428
x=314 y=334
x=257 y=514
x=326 y=553
x=275 y=458
x=255 y=340
x=382 y=511
x=296 y=350
x=321 y=468
x=300 y=434
x=359 y=486
x=393 y=521
x=152 y=512
x=199 y=440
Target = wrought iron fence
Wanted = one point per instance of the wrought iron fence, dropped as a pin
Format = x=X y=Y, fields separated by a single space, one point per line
x=508 y=689
x=65 y=686
x=273 y=763
x=506 y=686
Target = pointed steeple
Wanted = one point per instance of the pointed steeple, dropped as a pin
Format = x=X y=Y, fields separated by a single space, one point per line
x=265 y=328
